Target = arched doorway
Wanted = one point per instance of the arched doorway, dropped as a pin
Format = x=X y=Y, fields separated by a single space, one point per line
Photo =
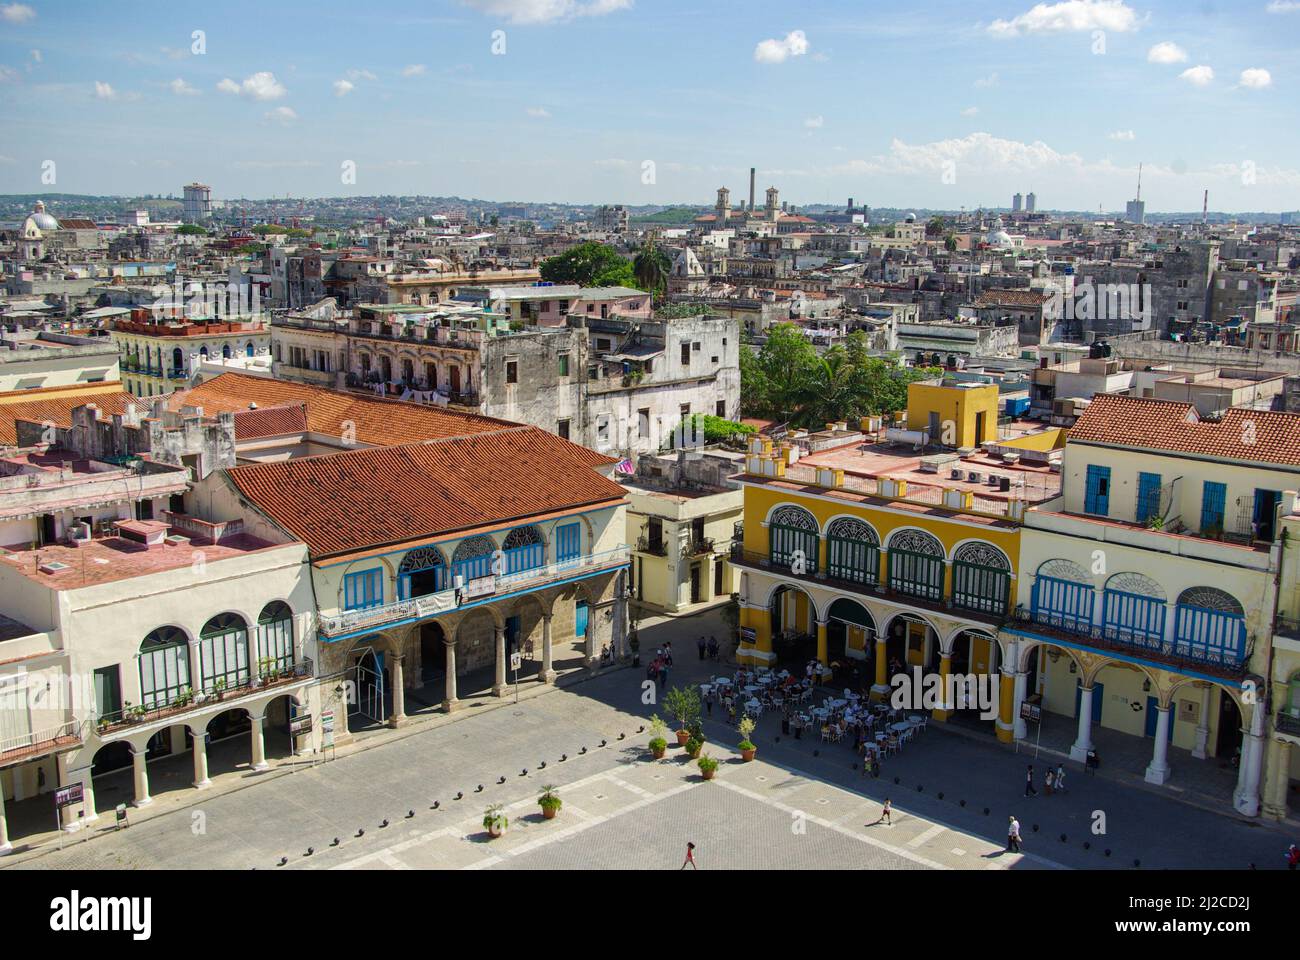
x=110 y=773
x=370 y=698
x=422 y=572
x=794 y=628
x=850 y=640
x=433 y=652
x=228 y=741
x=277 y=726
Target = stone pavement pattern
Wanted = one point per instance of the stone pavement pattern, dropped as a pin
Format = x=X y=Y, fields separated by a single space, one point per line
x=737 y=820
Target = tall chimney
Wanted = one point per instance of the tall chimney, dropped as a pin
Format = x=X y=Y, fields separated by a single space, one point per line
x=752 y=172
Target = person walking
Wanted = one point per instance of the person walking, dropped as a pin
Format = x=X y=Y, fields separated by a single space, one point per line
x=701 y=645
x=690 y=857
x=668 y=653
x=884 y=813
x=713 y=647
x=708 y=705
x=1029 y=782
x=1060 y=778
x=1049 y=781
x=1013 y=834
x=663 y=673
x=1292 y=857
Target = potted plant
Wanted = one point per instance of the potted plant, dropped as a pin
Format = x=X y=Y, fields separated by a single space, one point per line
x=219 y=688
x=658 y=744
x=746 y=746
x=684 y=704
x=550 y=802
x=495 y=821
x=708 y=766
x=693 y=747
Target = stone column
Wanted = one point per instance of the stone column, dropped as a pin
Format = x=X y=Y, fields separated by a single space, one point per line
x=1007 y=709
x=196 y=668
x=399 y=692
x=1083 y=744
x=547 y=675
x=142 y=798
x=1018 y=693
x=945 y=670
x=1246 y=799
x=257 y=742
x=1158 y=768
x=621 y=651
x=1200 y=747
x=499 y=687
x=881 y=686
x=589 y=640
x=5 y=845
x=450 y=703
x=87 y=795
x=823 y=644
x=1277 y=782
x=199 y=745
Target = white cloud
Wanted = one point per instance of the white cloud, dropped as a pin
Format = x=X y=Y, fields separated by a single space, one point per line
x=343 y=87
x=1284 y=6
x=970 y=111
x=414 y=70
x=541 y=113
x=546 y=11
x=182 y=89
x=1121 y=135
x=281 y=115
x=260 y=86
x=174 y=53
x=1256 y=78
x=815 y=123
x=355 y=75
x=1069 y=16
x=37 y=56
x=990 y=81
x=16 y=13
x=8 y=74
x=795 y=44
x=104 y=91
x=1199 y=76
x=1167 y=52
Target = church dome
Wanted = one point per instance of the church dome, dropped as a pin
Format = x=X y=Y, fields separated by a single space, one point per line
x=42 y=220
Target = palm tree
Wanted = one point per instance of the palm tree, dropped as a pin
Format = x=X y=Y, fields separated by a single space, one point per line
x=651 y=267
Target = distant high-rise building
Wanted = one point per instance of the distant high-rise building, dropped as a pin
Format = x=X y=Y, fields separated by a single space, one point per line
x=1017 y=203
x=1031 y=202
x=1135 y=211
x=198 y=203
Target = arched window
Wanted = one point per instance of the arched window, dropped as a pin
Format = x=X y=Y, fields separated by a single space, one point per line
x=794 y=535
x=408 y=372
x=852 y=551
x=203 y=352
x=422 y=572
x=524 y=549
x=1133 y=608
x=386 y=369
x=223 y=652
x=164 y=667
x=1063 y=596
x=1210 y=625
x=981 y=578
x=225 y=351
x=916 y=564
x=275 y=638
x=248 y=349
x=178 y=360
x=473 y=558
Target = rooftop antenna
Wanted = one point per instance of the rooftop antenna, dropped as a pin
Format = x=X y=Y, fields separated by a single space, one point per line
x=1139 y=196
x=1205 y=209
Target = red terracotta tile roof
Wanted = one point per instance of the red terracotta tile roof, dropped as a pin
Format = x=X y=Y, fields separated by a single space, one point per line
x=1011 y=298
x=1254 y=436
x=375 y=420
x=58 y=410
x=270 y=422
x=360 y=499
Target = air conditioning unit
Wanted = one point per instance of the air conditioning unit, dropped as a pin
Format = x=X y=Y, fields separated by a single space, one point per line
x=974 y=477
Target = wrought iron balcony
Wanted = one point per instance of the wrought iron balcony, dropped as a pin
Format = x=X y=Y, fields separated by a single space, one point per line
x=697 y=546
x=1288 y=724
x=656 y=548
x=1110 y=638
x=186 y=700
x=36 y=743
x=444 y=601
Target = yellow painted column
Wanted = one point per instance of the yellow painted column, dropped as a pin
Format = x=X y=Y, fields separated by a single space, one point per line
x=1006 y=703
x=882 y=675
x=945 y=668
x=823 y=654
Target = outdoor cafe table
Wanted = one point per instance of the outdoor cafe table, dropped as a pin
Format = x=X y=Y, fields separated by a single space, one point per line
x=836 y=704
x=900 y=727
x=722 y=682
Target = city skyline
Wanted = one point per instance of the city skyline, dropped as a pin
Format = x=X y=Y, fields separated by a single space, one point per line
x=940 y=109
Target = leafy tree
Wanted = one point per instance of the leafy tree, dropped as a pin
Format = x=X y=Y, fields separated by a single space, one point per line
x=191 y=230
x=714 y=429
x=589 y=264
x=950 y=243
x=935 y=227
x=651 y=267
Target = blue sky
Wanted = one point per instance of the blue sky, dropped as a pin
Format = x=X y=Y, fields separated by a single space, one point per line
x=935 y=104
